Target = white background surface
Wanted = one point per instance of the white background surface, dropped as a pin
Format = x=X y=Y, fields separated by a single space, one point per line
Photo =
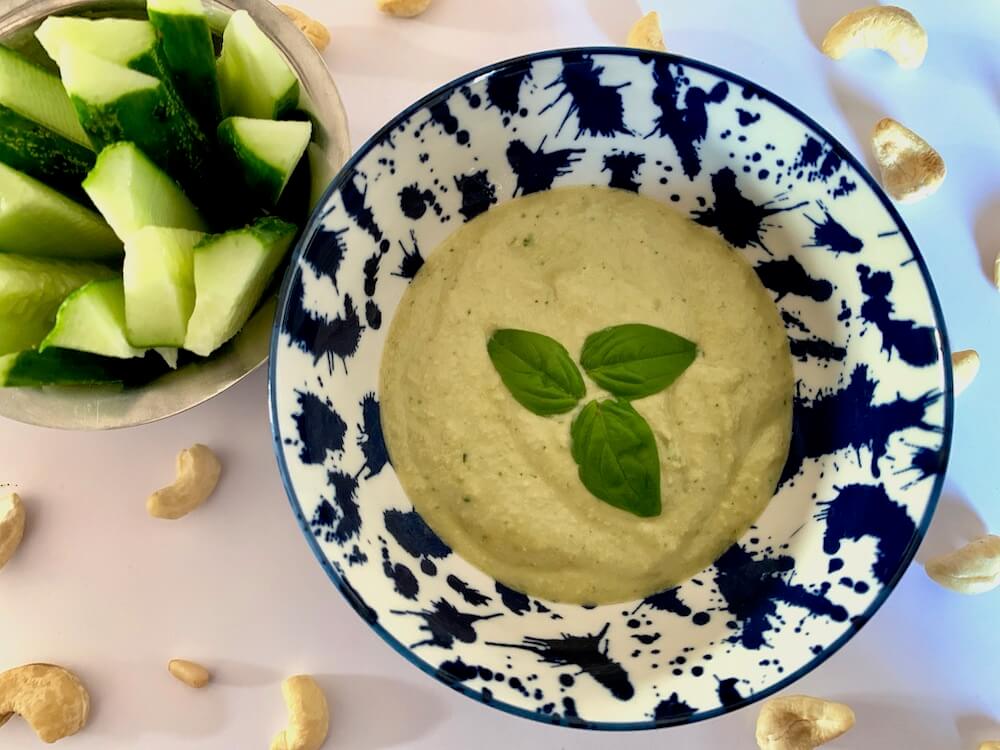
x=104 y=589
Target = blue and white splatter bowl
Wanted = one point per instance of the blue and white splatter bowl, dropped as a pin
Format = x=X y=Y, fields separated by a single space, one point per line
x=872 y=412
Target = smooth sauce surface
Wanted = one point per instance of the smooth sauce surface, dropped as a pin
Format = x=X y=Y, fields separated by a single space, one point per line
x=497 y=482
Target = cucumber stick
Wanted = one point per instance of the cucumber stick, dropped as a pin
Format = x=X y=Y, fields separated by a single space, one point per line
x=264 y=154
x=64 y=367
x=231 y=272
x=254 y=77
x=116 y=103
x=189 y=53
x=31 y=290
x=124 y=41
x=56 y=367
x=37 y=94
x=37 y=220
x=159 y=285
x=43 y=154
x=92 y=319
x=132 y=192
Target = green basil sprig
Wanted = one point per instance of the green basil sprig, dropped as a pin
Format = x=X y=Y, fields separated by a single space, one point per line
x=613 y=446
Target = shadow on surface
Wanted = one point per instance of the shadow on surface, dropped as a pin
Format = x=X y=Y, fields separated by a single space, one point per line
x=818 y=17
x=955 y=523
x=987 y=234
x=378 y=712
x=976 y=728
x=891 y=725
x=614 y=17
x=861 y=114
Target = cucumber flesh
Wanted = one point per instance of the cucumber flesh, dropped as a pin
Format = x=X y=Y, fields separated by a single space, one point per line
x=92 y=319
x=31 y=290
x=125 y=41
x=168 y=355
x=264 y=153
x=37 y=220
x=65 y=367
x=37 y=94
x=159 y=285
x=116 y=103
x=231 y=272
x=189 y=55
x=254 y=77
x=43 y=154
x=132 y=192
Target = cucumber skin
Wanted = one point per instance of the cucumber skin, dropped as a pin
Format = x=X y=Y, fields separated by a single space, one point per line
x=261 y=182
x=57 y=366
x=191 y=64
x=44 y=154
x=151 y=119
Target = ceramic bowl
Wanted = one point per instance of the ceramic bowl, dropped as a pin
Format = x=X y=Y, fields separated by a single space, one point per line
x=872 y=410
x=97 y=408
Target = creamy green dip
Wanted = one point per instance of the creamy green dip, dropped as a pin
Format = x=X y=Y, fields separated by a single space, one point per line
x=498 y=483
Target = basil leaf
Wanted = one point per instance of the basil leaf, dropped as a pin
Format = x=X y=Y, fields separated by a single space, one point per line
x=617 y=457
x=636 y=360
x=537 y=371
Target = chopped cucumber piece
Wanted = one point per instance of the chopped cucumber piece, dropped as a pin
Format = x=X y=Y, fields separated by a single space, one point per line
x=43 y=154
x=31 y=290
x=37 y=220
x=190 y=56
x=132 y=192
x=264 y=154
x=231 y=271
x=254 y=77
x=37 y=94
x=124 y=41
x=159 y=285
x=168 y=355
x=116 y=103
x=66 y=367
x=92 y=319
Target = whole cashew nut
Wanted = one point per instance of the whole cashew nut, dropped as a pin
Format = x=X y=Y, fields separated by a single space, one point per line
x=798 y=722
x=886 y=27
x=198 y=472
x=315 y=32
x=11 y=526
x=402 y=8
x=972 y=569
x=964 y=367
x=646 y=33
x=190 y=673
x=308 y=715
x=51 y=699
x=910 y=167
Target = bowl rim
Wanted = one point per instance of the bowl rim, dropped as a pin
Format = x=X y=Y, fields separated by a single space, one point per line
x=445 y=91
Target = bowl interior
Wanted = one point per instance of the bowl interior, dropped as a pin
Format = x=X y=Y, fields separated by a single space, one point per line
x=97 y=408
x=872 y=412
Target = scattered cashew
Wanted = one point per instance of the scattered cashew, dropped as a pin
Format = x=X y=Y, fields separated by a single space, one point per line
x=315 y=32
x=965 y=367
x=885 y=27
x=990 y=745
x=308 y=715
x=198 y=472
x=11 y=526
x=646 y=33
x=996 y=271
x=51 y=699
x=402 y=8
x=972 y=569
x=911 y=168
x=798 y=722
x=190 y=673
